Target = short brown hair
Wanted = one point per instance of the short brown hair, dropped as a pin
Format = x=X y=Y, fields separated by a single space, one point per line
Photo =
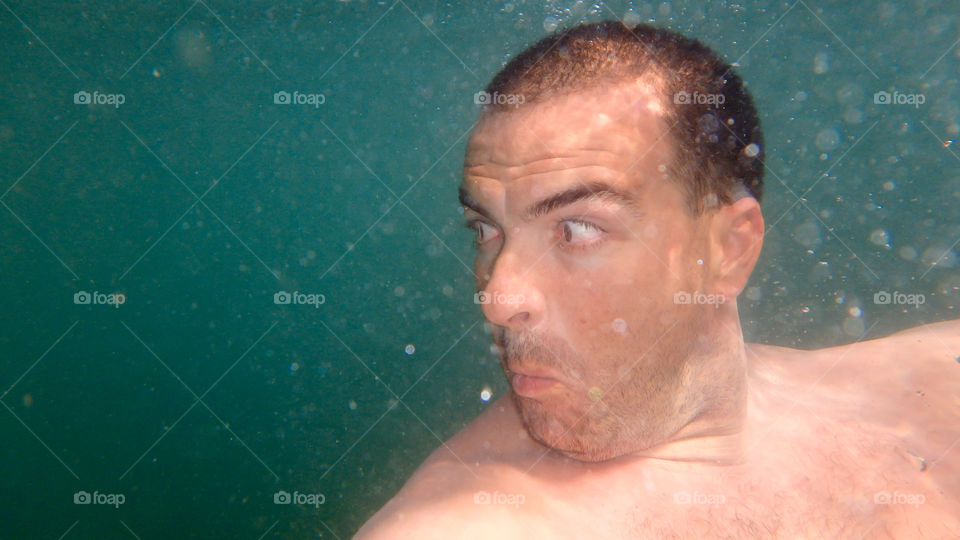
x=719 y=141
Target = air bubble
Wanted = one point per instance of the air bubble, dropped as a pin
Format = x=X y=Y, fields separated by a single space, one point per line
x=853 y=115
x=907 y=253
x=827 y=139
x=879 y=237
x=619 y=326
x=821 y=63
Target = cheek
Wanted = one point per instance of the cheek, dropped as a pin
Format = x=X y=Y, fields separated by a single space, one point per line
x=607 y=319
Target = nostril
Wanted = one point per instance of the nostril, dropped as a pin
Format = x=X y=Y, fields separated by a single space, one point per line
x=521 y=317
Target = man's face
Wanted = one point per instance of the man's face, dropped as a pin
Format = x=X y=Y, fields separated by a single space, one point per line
x=583 y=239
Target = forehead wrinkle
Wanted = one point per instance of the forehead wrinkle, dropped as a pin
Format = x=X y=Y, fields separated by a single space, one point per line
x=584 y=191
x=545 y=165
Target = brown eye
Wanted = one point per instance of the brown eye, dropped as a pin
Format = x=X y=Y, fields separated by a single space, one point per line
x=579 y=232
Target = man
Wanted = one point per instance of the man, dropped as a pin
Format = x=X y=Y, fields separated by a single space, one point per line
x=617 y=217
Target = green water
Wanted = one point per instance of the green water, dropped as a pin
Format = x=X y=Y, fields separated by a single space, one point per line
x=199 y=397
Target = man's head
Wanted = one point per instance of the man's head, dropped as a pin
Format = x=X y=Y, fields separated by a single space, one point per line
x=617 y=221
x=711 y=116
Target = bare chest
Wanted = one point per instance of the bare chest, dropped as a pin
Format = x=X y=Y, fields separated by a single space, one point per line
x=832 y=490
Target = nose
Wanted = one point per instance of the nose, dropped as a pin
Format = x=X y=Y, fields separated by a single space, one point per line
x=510 y=297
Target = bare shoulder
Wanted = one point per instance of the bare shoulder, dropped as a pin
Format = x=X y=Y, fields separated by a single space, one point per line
x=436 y=502
x=416 y=514
x=895 y=400
x=928 y=355
x=450 y=494
x=943 y=337
x=923 y=360
x=444 y=521
x=889 y=404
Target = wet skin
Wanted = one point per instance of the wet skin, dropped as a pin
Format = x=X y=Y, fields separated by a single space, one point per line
x=635 y=415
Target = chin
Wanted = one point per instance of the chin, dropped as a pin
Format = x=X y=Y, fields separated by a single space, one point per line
x=578 y=450
x=585 y=441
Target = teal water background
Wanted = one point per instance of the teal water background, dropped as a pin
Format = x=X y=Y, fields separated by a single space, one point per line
x=199 y=398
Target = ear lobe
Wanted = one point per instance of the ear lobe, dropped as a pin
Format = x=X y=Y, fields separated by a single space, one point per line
x=736 y=238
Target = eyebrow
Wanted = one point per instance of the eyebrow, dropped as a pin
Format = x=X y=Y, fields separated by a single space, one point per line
x=583 y=191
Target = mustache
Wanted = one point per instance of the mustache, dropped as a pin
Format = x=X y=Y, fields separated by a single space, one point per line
x=530 y=350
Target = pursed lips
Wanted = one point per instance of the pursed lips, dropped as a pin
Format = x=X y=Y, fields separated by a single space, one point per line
x=535 y=372
x=529 y=382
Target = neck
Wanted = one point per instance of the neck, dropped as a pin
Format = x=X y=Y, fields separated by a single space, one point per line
x=714 y=405
x=715 y=449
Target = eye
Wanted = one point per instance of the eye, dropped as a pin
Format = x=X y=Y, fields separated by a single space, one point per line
x=579 y=233
x=485 y=231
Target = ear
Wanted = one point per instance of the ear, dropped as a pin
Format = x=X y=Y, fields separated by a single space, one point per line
x=736 y=236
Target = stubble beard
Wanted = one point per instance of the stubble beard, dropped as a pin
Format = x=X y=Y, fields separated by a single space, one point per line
x=638 y=411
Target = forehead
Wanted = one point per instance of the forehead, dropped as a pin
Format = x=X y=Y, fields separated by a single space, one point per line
x=621 y=127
